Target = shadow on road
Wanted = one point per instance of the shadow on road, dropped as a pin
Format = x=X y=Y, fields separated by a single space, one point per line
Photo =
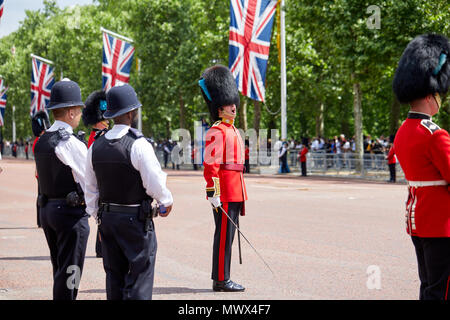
x=19 y=228
x=93 y=291
x=37 y=258
x=178 y=290
x=156 y=291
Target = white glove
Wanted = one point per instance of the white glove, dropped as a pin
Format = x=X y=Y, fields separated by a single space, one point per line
x=215 y=201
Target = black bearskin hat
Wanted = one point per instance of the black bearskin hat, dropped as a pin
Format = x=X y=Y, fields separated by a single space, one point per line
x=423 y=69
x=218 y=89
x=95 y=107
x=305 y=141
x=39 y=123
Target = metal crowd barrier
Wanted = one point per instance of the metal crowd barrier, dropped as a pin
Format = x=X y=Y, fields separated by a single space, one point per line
x=317 y=163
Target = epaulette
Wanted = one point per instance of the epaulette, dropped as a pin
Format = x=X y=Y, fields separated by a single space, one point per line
x=61 y=135
x=216 y=123
x=99 y=133
x=136 y=133
x=430 y=125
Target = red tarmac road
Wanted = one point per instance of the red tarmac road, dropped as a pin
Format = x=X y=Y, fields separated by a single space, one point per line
x=319 y=235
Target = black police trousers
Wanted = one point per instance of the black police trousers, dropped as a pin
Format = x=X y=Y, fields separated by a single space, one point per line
x=66 y=230
x=129 y=254
x=433 y=259
x=223 y=239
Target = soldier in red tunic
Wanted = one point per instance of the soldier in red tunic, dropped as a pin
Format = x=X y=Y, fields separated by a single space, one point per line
x=223 y=169
x=423 y=151
x=302 y=156
x=93 y=116
x=391 y=161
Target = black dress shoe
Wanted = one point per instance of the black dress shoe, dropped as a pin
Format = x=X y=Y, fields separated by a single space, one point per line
x=227 y=286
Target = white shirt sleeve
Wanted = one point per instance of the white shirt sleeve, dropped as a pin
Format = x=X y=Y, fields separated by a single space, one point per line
x=91 y=193
x=144 y=160
x=72 y=152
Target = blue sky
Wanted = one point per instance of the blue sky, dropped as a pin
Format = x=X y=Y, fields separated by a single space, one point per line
x=14 y=12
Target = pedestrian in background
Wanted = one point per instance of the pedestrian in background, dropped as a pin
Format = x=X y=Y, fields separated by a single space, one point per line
x=247 y=157
x=302 y=156
x=392 y=160
x=282 y=156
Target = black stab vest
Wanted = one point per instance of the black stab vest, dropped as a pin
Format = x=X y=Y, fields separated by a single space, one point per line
x=118 y=181
x=54 y=177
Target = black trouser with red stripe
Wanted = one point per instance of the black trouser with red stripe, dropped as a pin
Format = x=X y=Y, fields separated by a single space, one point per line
x=303 y=165
x=392 y=172
x=433 y=259
x=223 y=239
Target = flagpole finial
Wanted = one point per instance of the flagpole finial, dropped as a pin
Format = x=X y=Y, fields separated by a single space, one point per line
x=116 y=35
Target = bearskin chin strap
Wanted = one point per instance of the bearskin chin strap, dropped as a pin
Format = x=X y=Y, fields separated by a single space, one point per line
x=228 y=120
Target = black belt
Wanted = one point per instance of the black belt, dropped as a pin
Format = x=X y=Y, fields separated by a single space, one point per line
x=232 y=167
x=56 y=199
x=108 y=207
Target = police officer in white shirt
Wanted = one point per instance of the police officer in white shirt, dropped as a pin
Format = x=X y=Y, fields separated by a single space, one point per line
x=123 y=176
x=60 y=163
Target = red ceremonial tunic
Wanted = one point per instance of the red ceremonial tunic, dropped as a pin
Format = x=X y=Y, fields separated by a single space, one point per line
x=423 y=151
x=34 y=143
x=91 y=137
x=224 y=163
x=303 y=154
x=391 y=156
x=32 y=149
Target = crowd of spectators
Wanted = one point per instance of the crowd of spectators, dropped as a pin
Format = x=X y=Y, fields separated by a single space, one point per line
x=341 y=144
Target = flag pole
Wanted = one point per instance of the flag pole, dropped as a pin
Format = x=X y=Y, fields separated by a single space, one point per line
x=42 y=59
x=116 y=35
x=13 y=124
x=283 y=72
x=138 y=64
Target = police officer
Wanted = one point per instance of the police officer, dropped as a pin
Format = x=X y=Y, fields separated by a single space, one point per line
x=223 y=170
x=123 y=176
x=39 y=123
x=423 y=151
x=60 y=162
x=93 y=116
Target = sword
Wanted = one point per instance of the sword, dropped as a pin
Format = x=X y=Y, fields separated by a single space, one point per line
x=245 y=238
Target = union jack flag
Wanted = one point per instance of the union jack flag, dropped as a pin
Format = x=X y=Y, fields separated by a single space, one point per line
x=2 y=101
x=117 y=61
x=42 y=81
x=2 y=4
x=250 y=32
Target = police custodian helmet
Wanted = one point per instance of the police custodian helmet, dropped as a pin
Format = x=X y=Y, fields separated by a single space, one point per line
x=64 y=94
x=120 y=100
x=219 y=89
x=423 y=68
x=95 y=108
